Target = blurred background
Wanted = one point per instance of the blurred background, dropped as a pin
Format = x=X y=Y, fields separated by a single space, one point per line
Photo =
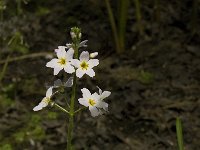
x=149 y=59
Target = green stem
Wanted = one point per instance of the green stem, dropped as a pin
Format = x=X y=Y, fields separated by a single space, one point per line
x=1 y=15
x=2 y=73
x=61 y=108
x=71 y=113
x=138 y=16
x=123 y=11
x=1 y=19
x=19 y=8
x=71 y=116
x=33 y=55
x=179 y=133
x=113 y=25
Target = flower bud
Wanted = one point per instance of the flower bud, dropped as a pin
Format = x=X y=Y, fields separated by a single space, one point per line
x=75 y=34
x=93 y=55
x=79 y=36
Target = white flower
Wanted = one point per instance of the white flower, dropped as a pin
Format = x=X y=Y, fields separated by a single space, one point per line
x=45 y=101
x=85 y=65
x=92 y=101
x=63 y=61
x=93 y=55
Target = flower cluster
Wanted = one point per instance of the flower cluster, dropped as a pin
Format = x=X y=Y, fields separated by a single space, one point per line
x=67 y=61
x=94 y=101
x=64 y=60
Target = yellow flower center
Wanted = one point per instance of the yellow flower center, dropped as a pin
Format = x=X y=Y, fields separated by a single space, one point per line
x=62 y=61
x=92 y=102
x=46 y=100
x=84 y=65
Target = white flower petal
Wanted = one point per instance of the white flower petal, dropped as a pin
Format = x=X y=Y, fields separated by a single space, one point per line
x=84 y=56
x=94 y=111
x=52 y=63
x=49 y=92
x=70 y=54
x=90 y=72
x=83 y=102
x=56 y=50
x=61 y=53
x=62 y=47
x=69 y=69
x=37 y=108
x=80 y=72
x=69 y=45
x=86 y=93
x=75 y=63
x=95 y=96
x=57 y=70
x=103 y=105
x=105 y=94
x=93 y=62
x=43 y=104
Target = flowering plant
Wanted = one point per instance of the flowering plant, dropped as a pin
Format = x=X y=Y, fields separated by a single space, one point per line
x=67 y=60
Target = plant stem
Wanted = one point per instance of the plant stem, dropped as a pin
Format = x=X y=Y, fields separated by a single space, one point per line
x=3 y=71
x=33 y=55
x=123 y=11
x=113 y=26
x=1 y=20
x=71 y=116
x=138 y=17
x=19 y=9
x=179 y=133
x=71 y=113
x=1 y=15
x=61 y=108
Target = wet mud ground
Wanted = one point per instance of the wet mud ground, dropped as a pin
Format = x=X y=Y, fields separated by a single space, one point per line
x=156 y=80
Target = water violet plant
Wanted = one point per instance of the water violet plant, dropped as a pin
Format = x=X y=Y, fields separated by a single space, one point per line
x=78 y=65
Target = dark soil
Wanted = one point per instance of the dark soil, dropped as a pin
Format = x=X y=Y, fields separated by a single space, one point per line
x=153 y=82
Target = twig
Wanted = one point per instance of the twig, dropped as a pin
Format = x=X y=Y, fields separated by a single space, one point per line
x=33 y=55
